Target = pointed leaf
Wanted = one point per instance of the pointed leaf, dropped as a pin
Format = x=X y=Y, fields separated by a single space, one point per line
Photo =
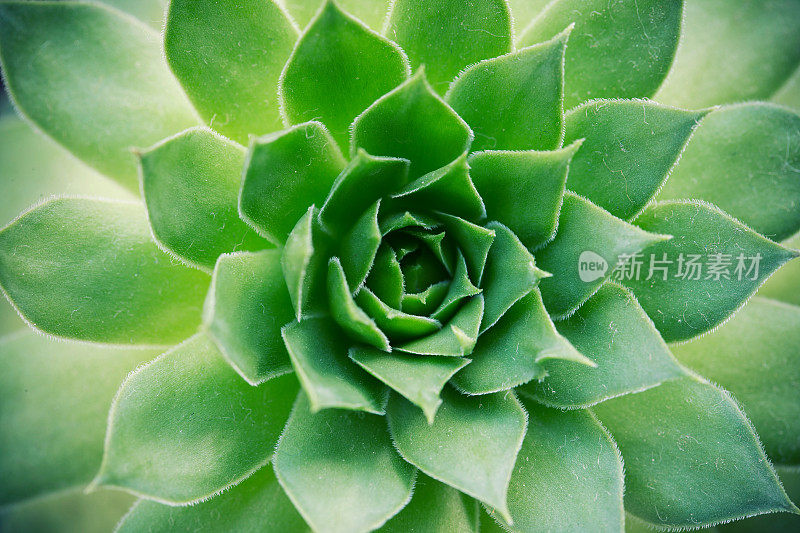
x=472 y=444
x=89 y=270
x=53 y=423
x=448 y=189
x=70 y=69
x=472 y=30
x=186 y=426
x=511 y=273
x=304 y=268
x=285 y=173
x=523 y=190
x=511 y=353
x=614 y=332
x=371 y=12
x=190 y=185
x=617 y=50
x=348 y=314
x=365 y=180
x=338 y=68
x=586 y=233
x=258 y=500
x=731 y=260
x=419 y=379
x=319 y=355
x=755 y=356
x=228 y=57
x=688 y=433
x=782 y=286
x=457 y=338
x=514 y=102
x=747 y=54
x=629 y=150
x=412 y=122
x=394 y=323
x=472 y=240
x=460 y=289
x=360 y=245
x=245 y=309
x=405 y=220
x=745 y=160
x=340 y=469
x=423 y=303
x=572 y=487
x=386 y=278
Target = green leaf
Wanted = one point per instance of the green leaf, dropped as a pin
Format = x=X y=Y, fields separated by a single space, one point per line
x=371 y=12
x=511 y=352
x=524 y=11
x=687 y=433
x=511 y=273
x=613 y=330
x=618 y=49
x=348 y=314
x=629 y=150
x=777 y=523
x=186 y=426
x=782 y=286
x=789 y=93
x=304 y=268
x=340 y=469
x=419 y=379
x=89 y=270
x=393 y=322
x=586 y=233
x=245 y=309
x=448 y=189
x=386 y=279
x=53 y=423
x=414 y=123
x=256 y=501
x=285 y=173
x=319 y=356
x=745 y=160
x=93 y=79
x=568 y=475
x=514 y=102
x=756 y=357
x=472 y=240
x=190 y=185
x=448 y=35
x=407 y=219
x=472 y=444
x=337 y=69
x=365 y=180
x=457 y=338
x=733 y=52
x=459 y=290
x=435 y=508
x=523 y=190
x=425 y=302
x=228 y=57
x=723 y=264
x=358 y=249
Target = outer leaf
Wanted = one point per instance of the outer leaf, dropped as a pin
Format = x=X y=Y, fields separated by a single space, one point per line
x=435 y=508
x=755 y=356
x=338 y=68
x=511 y=352
x=190 y=184
x=782 y=286
x=285 y=173
x=472 y=444
x=683 y=434
x=186 y=426
x=412 y=122
x=319 y=356
x=69 y=69
x=683 y=307
x=524 y=190
x=458 y=336
x=228 y=57
x=340 y=469
x=746 y=54
x=53 y=423
x=745 y=160
x=257 y=501
x=778 y=523
x=245 y=309
x=472 y=30
x=584 y=227
x=617 y=50
x=514 y=102
x=419 y=379
x=89 y=270
x=629 y=150
x=371 y=12
x=568 y=475
x=613 y=330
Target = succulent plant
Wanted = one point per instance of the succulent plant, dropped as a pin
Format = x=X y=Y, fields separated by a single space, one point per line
x=427 y=265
